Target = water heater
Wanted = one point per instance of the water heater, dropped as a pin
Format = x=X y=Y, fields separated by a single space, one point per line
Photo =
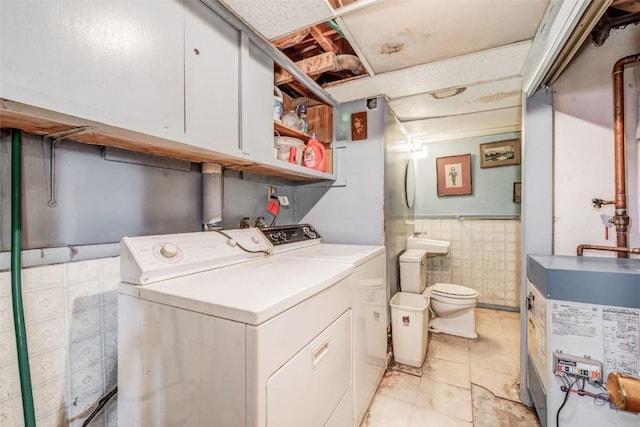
x=583 y=322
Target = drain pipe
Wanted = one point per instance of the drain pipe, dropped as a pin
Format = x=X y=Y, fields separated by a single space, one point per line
x=16 y=272
x=211 y=196
x=620 y=220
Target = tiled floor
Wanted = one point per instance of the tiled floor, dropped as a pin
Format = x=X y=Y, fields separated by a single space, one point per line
x=463 y=382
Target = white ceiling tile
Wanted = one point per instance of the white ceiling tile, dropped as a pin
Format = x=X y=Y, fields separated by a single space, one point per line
x=276 y=18
x=479 y=97
x=493 y=64
x=404 y=33
x=465 y=125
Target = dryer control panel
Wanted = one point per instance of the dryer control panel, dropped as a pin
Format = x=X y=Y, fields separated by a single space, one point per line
x=149 y=259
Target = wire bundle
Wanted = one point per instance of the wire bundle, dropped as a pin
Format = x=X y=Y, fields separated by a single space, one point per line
x=599 y=399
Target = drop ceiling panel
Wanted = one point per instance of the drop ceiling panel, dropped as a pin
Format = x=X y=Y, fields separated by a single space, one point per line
x=274 y=19
x=493 y=64
x=479 y=97
x=402 y=33
x=466 y=125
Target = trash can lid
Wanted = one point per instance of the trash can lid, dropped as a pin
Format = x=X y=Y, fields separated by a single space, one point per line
x=413 y=255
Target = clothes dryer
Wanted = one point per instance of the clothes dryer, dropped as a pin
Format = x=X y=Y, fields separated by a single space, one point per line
x=370 y=314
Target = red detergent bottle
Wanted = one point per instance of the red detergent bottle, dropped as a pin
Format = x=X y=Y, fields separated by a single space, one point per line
x=314 y=155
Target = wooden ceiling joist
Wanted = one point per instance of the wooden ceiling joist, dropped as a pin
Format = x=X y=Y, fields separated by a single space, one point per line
x=292 y=39
x=311 y=66
x=323 y=41
x=302 y=90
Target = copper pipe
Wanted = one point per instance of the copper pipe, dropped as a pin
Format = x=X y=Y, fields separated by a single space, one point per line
x=620 y=220
x=618 y=249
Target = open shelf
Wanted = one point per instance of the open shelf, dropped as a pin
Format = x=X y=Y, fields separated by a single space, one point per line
x=285 y=130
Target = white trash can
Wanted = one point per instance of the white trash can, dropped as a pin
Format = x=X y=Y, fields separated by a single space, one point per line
x=409 y=327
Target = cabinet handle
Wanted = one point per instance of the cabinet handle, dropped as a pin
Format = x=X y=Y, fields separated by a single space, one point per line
x=320 y=352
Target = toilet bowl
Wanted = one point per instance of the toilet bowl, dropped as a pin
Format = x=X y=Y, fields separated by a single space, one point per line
x=454 y=309
x=453 y=306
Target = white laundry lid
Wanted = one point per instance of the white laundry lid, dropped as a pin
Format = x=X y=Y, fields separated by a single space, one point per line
x=413 y=255
x=449 y=289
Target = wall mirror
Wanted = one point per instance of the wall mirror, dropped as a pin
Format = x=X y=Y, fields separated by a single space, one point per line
x=410 y=183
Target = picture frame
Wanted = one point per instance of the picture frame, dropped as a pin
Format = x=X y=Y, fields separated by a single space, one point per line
x=517 y=192
x=500 y=153
x=359 y=126
x=454 y=175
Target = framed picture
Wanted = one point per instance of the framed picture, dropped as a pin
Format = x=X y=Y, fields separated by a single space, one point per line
x=454 y=175
x=517 y=192
x=359 y=126
x=501 y=153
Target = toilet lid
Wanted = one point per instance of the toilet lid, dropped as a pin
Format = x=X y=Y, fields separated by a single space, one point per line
x=451 y=290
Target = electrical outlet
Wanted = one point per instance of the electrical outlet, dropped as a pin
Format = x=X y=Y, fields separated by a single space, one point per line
x=271 y=192
x=284 y=200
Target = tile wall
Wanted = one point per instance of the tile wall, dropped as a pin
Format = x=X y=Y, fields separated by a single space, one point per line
x=71 y=318
x=484 y=255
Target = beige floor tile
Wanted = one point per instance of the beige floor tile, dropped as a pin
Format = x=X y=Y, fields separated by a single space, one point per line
x=426 y=418
x=445 y=394
x=504 y=386
x=444 y=371
x=445 y=399
x=386 y=411
x=493 y=355
x=490 y=411
x=486 y=313
x=450 y=339
x=490 y=329
x=448 y=351
x=510 y=325
x=509 y=314
x=400 y=386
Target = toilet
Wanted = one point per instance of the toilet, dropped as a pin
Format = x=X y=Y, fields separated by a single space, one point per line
x=452 y=305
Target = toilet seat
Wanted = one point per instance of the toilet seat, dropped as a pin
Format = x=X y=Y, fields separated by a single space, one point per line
x=450 y=290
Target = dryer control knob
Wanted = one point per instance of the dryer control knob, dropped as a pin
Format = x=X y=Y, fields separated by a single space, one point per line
x=169 y=250
x=231 y=243
x=309 y=232
x=255 y=239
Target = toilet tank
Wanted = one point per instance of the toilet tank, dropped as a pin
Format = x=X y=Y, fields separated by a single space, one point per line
x=413 y=270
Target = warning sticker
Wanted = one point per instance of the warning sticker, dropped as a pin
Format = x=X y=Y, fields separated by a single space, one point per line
x=575 y=320
x=621 y=339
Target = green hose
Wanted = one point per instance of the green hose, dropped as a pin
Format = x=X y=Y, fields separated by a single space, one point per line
x=16 y=271
x=333 y=24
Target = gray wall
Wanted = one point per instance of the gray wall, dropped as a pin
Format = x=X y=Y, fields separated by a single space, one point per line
x=98 y=200
x=398 y=217
x=351 y=213
x=537 y=198
x=492 y=188
x=245 y=195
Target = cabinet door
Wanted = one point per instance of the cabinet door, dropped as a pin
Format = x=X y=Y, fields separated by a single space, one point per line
x=257 y=103
x=212 y=75
x=114 y=62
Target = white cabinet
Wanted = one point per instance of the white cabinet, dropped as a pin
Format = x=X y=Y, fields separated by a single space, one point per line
x=168 y=77
x=257 y=103
x=113 y=62
x=212 y=76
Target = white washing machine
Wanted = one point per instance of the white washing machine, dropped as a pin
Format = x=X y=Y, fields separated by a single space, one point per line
x=370 y=322
x=211 y=334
